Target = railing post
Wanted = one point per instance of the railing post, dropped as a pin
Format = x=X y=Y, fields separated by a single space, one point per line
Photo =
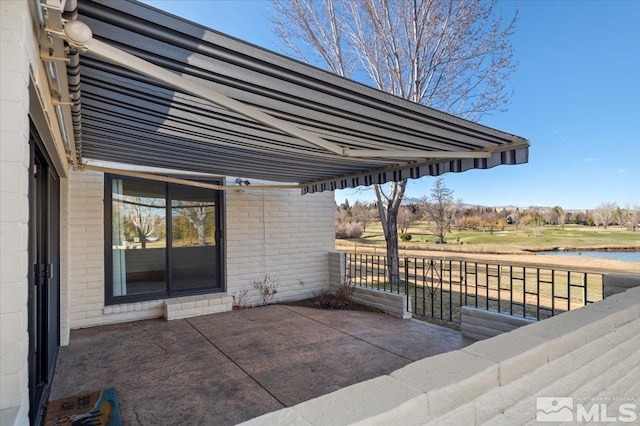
x=406 y=277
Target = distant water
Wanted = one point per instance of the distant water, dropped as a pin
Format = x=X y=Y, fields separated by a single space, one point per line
x=617 y=255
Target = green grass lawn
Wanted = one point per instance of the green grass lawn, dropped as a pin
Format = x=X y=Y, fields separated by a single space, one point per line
x=511 y=240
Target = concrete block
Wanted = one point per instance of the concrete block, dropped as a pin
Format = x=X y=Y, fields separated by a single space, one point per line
x=544 y=376
x=499 y=399
x=12 y=358
x=463 y=415
x=619 y=283
x=12 y=328
x=625 y=306
x=14 y=269
x=516 y=354
x=450 y=379
x=213 y=309
x=568 y=331
x=357 y=402
x=13 y=294
x=187 y=305
x=9 y=394
x=412 y=412
x=285 y=417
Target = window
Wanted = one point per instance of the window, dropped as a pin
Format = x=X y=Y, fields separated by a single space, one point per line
x=163 y=240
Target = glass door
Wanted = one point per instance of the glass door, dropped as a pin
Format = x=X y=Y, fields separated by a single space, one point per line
x=162 y=240
x=44 y=279
x=138 y=237
x=195 y=253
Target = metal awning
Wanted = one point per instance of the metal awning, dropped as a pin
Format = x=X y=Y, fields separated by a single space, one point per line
x=288 y=121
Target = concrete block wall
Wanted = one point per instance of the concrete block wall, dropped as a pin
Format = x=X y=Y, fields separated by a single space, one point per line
x=65 y=264
x=337 y=267
x=16 y=50
x=391 y=303
x=86 y=249
x=202 y=304
x=591 y=354
x=618 y=283
x=480 y=324
x=280 y=233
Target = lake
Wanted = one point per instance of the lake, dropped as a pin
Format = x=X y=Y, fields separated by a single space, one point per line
x=617 y=255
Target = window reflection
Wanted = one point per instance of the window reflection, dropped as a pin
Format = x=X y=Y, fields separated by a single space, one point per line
x=193 y=231
x=139 y=237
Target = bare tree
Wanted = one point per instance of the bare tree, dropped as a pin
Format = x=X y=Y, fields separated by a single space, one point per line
x=604 y=214
x=406 y=217
x=143 y=218
x=451 y=55
x=439 y=209
x=388 y=207
x=557 y=216
x=196 y=212
x=516 y=217
x=633 y=217
x=363 y=214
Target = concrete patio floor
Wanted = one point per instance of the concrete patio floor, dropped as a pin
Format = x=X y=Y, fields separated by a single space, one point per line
x=228 y=368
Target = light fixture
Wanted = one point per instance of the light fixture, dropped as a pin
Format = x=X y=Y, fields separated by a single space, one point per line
x=241 y=182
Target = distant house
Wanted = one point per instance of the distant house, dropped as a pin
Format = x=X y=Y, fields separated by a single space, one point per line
x=166 y=183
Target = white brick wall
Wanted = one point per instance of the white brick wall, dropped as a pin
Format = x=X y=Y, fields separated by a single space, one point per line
x=65 y=264
x=86 y=249
x=592 y=352
x=480 y=324
x=14 y=211
x=280 y=233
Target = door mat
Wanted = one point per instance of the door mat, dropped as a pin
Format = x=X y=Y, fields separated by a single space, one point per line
x=99 y=408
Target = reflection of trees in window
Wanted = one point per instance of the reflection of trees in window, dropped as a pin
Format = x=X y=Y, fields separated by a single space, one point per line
x=193 y=216
x=141 y=217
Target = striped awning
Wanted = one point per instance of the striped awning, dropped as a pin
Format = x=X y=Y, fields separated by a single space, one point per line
x=127 y=118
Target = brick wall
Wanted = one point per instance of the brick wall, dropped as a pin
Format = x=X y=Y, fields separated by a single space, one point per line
x=591 y=354
x=65 y=264
x=280 y=233
x=14 y=209
x=480 y=324
x=86 y=249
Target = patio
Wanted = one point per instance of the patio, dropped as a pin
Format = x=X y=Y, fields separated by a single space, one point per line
x=231 y=367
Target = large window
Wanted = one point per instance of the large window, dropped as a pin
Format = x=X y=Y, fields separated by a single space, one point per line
x=163 y=240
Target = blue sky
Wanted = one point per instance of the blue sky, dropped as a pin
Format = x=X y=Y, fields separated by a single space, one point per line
x=576 y=98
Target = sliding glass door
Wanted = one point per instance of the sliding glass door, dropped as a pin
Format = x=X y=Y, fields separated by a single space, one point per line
x=138 y=237
x=194 y=252
x=163 y=240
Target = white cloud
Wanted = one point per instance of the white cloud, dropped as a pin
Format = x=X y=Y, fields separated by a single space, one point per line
x=590 y=160
x=622 y=170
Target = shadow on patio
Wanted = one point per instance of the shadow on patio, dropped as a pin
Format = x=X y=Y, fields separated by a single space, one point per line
x=231 y=367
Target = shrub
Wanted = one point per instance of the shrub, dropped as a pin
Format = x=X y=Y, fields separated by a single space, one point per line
x=348 y=230
x=341 y=299
x=240 y=298
x=345 y=291
x=267 y=288
x=405 y=237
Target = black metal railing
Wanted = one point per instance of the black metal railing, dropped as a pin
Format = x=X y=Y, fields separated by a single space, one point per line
x=438 y=287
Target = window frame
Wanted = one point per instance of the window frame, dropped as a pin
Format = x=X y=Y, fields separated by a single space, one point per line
x=169 y=291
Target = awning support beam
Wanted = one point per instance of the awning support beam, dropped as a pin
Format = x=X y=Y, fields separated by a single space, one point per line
x=79 y=35
x=186 y=182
